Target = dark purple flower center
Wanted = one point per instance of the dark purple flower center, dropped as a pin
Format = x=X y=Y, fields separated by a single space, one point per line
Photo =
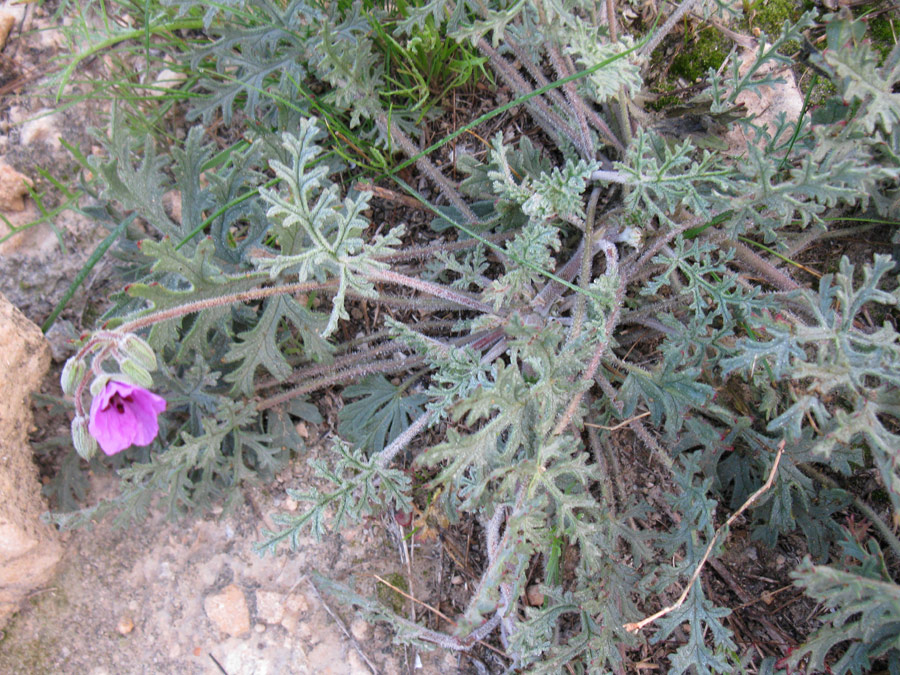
x=119 y=402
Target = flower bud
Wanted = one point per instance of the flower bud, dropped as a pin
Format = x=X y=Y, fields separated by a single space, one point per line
x=136 y=373
x=72 y=374
x=137 y=349
x=85 y=444
x=99 y=382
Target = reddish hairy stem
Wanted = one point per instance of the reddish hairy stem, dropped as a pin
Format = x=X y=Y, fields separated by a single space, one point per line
x=383 y=366
x=431 y=288
x=199 y=305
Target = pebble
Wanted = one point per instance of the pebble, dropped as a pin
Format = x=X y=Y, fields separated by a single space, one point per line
x=534 y=596
x=228 y=611
x=359 y=629
x=125 y=625
x=13 y=189
x=260 y=628
x=297 y=603
x=7 y=21
x=269 y=607
x=290 y=622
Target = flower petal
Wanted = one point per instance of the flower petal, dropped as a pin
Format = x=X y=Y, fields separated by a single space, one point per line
x=107 y=428
x=124 y=414
x=146 y=407
x=112 y=388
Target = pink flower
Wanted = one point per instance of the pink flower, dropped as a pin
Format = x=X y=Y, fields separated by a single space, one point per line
x=124 y=414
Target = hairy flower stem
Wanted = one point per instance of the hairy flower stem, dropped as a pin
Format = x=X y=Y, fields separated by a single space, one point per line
x=635 y=425
x=550 y=121
x=552 y=290
x=428 y=252
x=383 y=366
x=886 y=533
x=587 y=376
x=229 y=299
x=409 y=304
x=534 y=69
x=576 y=104
x=390 y=128
x=606 y=483
x=621 y=100
x=637 y=269
x=341 y=364
x=387 y=455
x=95 y=366
x=755 y=262
x=673 y=19
x=586 y=263
x=592 y=117
x=430 y=288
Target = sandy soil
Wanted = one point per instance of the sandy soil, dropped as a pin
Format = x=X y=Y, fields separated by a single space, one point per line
x=140 y=600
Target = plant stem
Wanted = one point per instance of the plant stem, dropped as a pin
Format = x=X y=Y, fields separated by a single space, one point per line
x=432 y=289
x=404 y=439
x=184 y=24
x=428 y=168
x=384 y=367
x=231 y=298
x=674 y=18
x=586 y=263
x=889 y=537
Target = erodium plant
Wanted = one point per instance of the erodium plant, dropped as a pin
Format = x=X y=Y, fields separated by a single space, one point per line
x=603 y=279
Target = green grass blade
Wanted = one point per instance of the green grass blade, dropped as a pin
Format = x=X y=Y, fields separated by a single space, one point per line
x=85 y=270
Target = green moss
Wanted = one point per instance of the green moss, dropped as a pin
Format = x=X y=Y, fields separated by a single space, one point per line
x=388 y=596
x=663 y=99
x=881 y=32
x=770 y=15
x=707 y=49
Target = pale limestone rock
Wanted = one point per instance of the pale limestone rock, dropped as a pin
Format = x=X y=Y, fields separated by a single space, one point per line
x=329 y=656
x=7 y=21
x=13 y=189
x=42 y=127
x=269 y=606
x=34 y=241
x=290 y=622
x=228 y=611
x=169 y=79
x=359 y=629
x=29 y=549
x=297 y=603
x=766 y=104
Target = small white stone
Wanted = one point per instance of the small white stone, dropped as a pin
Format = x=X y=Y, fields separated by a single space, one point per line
x=290 y=622
x=296 y=603
x=269 y=606
x=359 y=629
x=169 y=79
x=125 y=625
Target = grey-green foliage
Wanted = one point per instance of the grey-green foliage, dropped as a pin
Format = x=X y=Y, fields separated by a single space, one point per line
x=380 y=414
x=863 y=608
x=318 y=234
x=851 y=374
x=512 y=366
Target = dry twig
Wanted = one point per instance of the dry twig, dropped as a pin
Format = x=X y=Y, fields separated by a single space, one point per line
x=635 y=627
x=343 y=628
